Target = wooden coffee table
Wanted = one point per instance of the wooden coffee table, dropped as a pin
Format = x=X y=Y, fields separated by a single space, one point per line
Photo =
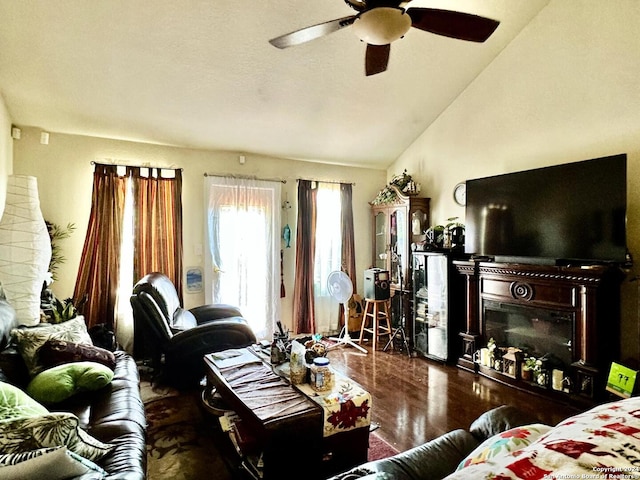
x=287 y=427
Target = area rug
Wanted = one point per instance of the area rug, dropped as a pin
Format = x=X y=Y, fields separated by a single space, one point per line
x=181 y=442
x=379 y=448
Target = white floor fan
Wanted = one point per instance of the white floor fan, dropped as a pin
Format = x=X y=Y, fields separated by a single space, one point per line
x=340 y=287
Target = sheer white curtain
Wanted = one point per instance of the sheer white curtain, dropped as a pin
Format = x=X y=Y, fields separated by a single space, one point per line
x=242 y=259
x=124 y=313
x=327 y=255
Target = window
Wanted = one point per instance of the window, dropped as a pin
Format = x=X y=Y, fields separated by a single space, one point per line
x=136 y=220
x=327 y=255
x=324 y=243
x=242 y=263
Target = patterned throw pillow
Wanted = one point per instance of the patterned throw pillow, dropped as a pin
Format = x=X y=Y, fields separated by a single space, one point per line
x=55 y=463
x=504 y=443
x=57 y=352
x=50 y=430
x=14 y=403
x=29 y=340
x=14 y=458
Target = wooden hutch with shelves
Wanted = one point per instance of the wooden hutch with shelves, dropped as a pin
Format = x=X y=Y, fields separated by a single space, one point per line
x=398 y=224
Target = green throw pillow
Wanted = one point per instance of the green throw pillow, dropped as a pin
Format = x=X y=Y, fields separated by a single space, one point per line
x=59 y=383
x=14 y=403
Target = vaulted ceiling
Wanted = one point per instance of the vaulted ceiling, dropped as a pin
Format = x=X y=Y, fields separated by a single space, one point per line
x=202 y=74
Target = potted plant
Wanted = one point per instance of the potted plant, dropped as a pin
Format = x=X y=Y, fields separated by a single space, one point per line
x=401 y=184
x=63 y=310
x=435 y=236
x=530 y=367
x=538 y=369
x=53 y=309
x=449 y=235
x=455 y=232
x=57 y=233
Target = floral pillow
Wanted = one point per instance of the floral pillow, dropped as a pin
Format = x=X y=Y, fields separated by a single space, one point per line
x=29 y=340
x=505 y=442
x=50 y=430
x=600 y=443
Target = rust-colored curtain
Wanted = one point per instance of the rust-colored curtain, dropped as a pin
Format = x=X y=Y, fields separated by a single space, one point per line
x=303 y=302
x=99 y=269
x=158 y=224
x=348 y=239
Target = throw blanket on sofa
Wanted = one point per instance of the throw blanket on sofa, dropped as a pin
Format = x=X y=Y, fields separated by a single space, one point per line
x=602 y=443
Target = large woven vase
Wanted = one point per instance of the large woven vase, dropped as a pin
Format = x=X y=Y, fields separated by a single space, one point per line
x=25 y=248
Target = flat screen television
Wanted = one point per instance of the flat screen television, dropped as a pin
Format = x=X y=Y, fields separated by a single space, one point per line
x=563 y=214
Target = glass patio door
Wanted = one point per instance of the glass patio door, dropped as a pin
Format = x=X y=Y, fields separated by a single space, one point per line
x=242 y=234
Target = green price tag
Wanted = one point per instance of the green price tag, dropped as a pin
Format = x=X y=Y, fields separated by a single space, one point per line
x=621 y=380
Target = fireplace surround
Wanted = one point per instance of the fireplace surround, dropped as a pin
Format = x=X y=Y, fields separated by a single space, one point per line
x=567 y=315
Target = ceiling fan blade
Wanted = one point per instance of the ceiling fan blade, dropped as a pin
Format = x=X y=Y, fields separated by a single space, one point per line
x=311 y=33
x=376 y=58
x=359 y=5
x=362 y=5
x=463 y=26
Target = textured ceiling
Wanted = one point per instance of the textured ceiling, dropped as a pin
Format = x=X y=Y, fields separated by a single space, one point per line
x=202 y=74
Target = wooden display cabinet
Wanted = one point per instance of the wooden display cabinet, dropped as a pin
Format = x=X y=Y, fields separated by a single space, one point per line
x=396 y=226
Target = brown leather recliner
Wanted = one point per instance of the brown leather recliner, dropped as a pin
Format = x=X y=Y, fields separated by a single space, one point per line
x=177 y=339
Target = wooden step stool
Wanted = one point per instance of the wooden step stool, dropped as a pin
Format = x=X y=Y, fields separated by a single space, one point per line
x=378 y=311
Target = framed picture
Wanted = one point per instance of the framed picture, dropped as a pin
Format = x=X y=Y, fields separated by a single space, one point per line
x=194 y=280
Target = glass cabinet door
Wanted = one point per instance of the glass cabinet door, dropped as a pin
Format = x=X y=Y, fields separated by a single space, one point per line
x=399 y=242
x=437 y=314
x=381 y=243
x=420 y=304
x=419 y=219
x=431 y=322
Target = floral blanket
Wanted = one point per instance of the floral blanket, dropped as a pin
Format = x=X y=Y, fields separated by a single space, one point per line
x=602 y=443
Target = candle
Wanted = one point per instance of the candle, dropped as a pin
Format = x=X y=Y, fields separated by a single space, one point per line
x=556 y=379
x=484 y=357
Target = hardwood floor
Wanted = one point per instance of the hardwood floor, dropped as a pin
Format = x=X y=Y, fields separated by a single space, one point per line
x=415 y=400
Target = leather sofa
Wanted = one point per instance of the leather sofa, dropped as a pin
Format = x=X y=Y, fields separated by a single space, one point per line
x=176 y=339
x=114 y=414
x=601 y=442
x=439 y=457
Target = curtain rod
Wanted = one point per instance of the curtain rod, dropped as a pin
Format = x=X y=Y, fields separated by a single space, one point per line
x=246 y=177
x=326 y=181
x=132 y=166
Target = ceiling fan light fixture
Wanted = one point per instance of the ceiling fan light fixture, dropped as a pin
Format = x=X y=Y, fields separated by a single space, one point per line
x=382 y=25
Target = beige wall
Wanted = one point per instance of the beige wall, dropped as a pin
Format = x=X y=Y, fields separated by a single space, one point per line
x=565 y=90
x=6 y=151
x=64 y=172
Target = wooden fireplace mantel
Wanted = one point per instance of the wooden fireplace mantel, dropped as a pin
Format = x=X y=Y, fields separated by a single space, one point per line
x=589 y=294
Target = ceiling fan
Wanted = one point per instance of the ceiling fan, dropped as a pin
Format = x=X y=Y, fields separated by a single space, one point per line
x=378 y=23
